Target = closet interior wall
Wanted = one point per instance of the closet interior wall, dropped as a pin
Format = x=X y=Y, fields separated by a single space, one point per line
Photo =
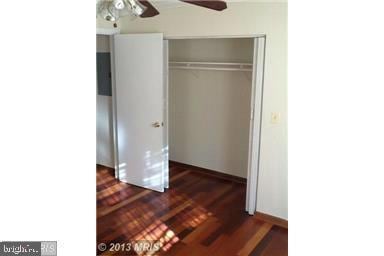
x=209 y=110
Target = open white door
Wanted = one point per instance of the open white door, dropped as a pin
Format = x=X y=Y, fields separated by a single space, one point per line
x=165 y=105
x=138 y=98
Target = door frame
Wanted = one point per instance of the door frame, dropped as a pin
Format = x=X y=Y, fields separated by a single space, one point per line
x=256 y=108
x=254 y=138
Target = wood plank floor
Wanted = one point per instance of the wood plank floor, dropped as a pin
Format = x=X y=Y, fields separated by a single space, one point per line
x=199 y=215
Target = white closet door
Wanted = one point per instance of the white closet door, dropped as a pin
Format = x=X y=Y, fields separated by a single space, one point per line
x=166 y=126
x=255 y=124
x=138 y=109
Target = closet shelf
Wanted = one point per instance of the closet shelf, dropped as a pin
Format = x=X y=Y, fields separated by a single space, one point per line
x=225 y=66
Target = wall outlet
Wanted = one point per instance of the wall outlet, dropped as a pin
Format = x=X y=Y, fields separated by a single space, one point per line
x=275 y=118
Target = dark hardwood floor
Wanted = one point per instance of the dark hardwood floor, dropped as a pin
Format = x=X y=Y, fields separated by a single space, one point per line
x=199 y=215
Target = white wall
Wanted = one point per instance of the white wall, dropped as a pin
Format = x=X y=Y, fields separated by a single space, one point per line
x=104 y=134
x=209 y=110
x=103 y=24
x=245 y=18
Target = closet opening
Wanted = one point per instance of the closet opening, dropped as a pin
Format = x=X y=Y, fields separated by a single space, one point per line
x=209 y=104
x=195 y=102
x=213 y=109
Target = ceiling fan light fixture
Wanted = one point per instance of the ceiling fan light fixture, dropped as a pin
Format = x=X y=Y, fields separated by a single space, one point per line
x=112 y=10
x=119 y=4
x=136 y=7
x=108 y=11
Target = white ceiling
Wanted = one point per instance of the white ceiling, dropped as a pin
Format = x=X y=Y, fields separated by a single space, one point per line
x=165 y=4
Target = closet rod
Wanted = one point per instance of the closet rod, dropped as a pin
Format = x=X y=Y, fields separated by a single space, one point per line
x=203 y=68
x=226 y=66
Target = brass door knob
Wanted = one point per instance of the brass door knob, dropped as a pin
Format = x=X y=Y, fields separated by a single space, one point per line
x=156 y=124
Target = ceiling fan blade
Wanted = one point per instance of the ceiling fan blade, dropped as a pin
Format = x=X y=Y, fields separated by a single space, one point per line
x=150 y=11
x=214 y=5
